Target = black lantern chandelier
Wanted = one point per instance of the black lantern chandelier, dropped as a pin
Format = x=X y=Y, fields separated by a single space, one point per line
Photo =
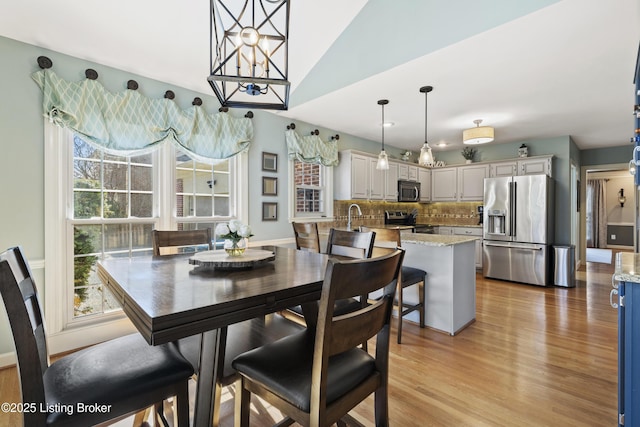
x=249 y=53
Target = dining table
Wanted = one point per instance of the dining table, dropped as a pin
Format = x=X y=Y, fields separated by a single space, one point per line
x=167 y=298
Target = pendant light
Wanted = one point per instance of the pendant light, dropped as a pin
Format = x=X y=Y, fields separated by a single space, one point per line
x=383 y=160
x=426 y=156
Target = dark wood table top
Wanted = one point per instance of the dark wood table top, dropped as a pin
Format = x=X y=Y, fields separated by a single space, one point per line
x=167 y=298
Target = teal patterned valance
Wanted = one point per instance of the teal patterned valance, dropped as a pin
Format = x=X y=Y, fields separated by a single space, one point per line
x=128 y=122
x=311 y=149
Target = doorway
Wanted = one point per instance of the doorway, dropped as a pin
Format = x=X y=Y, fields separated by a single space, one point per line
x=609 y=214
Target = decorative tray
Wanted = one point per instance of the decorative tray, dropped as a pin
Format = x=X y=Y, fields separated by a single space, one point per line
x=220 y=260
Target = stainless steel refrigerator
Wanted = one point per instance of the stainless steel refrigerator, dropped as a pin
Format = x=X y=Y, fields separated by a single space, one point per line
x=518 y=228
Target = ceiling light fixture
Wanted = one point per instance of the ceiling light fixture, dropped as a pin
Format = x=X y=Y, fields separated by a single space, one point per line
x=383 y=159
x=426 y=156
x=478 y=134
x=249 y=53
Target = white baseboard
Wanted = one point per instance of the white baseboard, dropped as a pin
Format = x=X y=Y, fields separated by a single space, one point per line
x=7 y=360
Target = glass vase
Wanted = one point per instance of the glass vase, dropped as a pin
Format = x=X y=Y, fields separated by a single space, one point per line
x=235 y=248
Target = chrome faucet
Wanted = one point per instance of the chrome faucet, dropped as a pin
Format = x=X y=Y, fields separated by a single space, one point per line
x=359 y=213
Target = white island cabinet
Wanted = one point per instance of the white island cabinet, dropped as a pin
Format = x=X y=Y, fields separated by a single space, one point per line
x=450 y=291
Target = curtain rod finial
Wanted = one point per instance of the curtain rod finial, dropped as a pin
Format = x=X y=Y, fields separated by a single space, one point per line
x=44 y=62
x=91 y=74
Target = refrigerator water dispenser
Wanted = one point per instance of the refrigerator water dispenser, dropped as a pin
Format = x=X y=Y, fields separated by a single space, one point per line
x=497 y=222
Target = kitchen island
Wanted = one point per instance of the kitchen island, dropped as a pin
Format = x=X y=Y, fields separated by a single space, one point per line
x=450 y=290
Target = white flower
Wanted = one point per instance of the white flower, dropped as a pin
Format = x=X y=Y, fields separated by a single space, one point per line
x=234 y=225
x=222 y=229
x=244 y=231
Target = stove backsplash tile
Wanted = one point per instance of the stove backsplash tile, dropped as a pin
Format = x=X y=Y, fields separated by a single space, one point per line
x=437 y=213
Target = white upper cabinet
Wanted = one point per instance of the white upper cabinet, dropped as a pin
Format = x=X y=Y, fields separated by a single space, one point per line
x=503 y=169
x=413 y=173
x=463 y=183
x=391 y=187
x=356 y=177
x=471 y=182
x=377 y=180
x=522 y=166
x=424 y=178
x=535 y=166
x=444 y=184
x=359 y=177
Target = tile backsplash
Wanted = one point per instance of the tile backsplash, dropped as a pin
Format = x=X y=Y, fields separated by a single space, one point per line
x=437 y=213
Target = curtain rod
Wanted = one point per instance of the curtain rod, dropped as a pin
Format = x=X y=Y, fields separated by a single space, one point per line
x=91 y=74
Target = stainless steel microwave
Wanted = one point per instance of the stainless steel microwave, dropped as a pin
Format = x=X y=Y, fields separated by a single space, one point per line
x=408 y=191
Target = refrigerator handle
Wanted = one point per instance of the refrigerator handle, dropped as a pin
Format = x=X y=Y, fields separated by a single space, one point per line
x=514 y=208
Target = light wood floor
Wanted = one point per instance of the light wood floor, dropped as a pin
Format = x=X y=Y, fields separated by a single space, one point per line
x=534 y=357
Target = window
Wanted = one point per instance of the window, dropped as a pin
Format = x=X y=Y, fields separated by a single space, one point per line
x=112 y=215
x=105 y=205
x=311 y=196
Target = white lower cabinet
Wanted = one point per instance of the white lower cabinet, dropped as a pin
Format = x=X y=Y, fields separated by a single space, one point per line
x=472 y=231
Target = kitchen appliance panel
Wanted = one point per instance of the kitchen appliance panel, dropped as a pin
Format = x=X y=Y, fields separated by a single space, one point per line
x=497 y=209
x=517 y=262
x=531 y=206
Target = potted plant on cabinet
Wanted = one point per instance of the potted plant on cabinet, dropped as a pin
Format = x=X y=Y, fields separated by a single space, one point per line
x=468 y=153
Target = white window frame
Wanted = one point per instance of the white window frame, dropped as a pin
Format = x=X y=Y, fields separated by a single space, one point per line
x=64 y=331
x=327 y=172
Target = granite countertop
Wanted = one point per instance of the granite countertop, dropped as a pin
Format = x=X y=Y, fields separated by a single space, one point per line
x=627 y=267
x=436 y=239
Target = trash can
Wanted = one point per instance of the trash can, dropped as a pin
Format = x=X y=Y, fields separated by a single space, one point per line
x=564 y=266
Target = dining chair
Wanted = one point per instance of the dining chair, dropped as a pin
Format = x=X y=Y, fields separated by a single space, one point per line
x=351 y=244
x=318 y=375
x=307 y=237
x=388 y=239
x=102 y=383
x=175 y=240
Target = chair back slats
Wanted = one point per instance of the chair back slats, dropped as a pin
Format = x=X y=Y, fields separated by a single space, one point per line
x=346 y=279
x=349 y=330
x=352 y=244
x=25 y=317
x=171 y=240
x=307 y=237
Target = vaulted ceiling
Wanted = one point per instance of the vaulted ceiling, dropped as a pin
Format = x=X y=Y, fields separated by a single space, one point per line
x=531 y=69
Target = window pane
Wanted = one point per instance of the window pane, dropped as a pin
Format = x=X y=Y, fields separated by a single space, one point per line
x=116 y=237
x=141 y=178
x=141 y=236
x=221 y=183
x=141 y=205
x=116 y=176
x=87 y=239
x=115 y=205
x=86 y=204
x=221 y=207
x=203 y=206
x=204 y=183
x=86 y=170
x=185 y=206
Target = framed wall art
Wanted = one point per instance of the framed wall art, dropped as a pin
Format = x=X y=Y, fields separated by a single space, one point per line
x=269 y=162
x=269 y=186
x=269 y=211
